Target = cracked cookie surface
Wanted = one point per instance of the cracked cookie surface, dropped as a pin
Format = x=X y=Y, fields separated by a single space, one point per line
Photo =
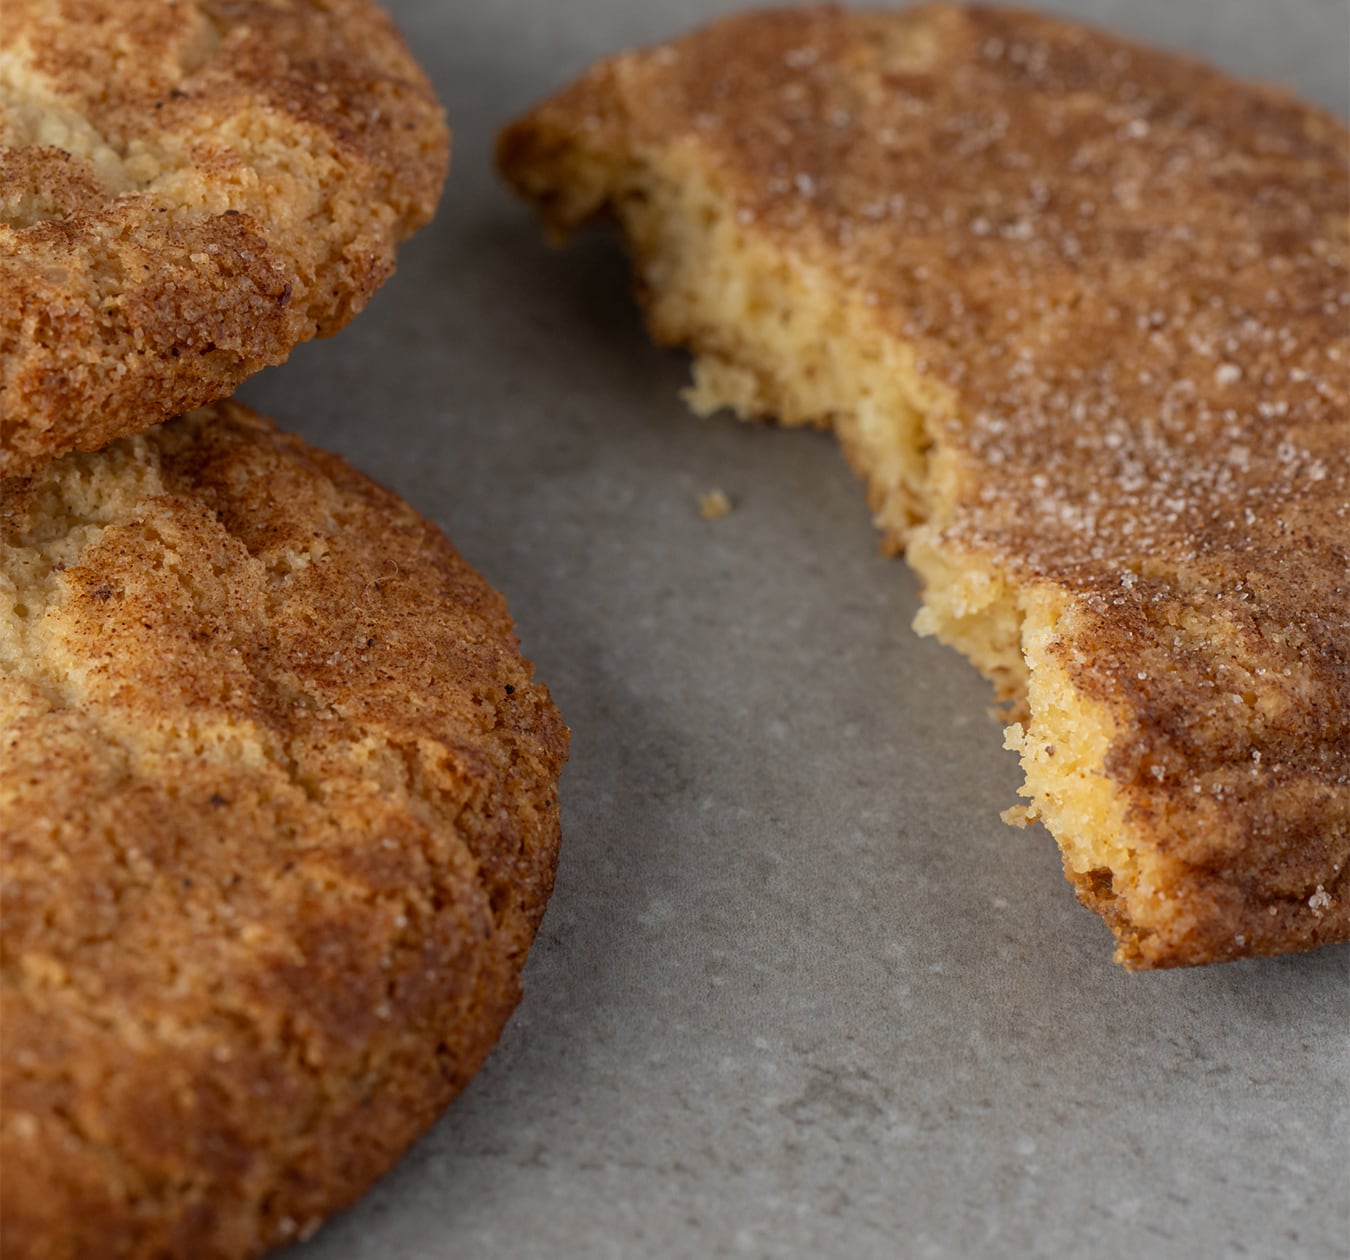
x=187 y=191
x=278 y=820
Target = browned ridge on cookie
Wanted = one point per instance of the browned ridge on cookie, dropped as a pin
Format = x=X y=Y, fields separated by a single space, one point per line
x=278 y=821
x=1077 y=310
x=188 y=190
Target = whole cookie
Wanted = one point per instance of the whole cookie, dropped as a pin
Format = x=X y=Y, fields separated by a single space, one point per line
x=1076 y=309
x=188 y=190
x=278 y=821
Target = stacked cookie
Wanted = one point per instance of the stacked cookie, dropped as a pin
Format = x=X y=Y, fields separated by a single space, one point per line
x=277 y=792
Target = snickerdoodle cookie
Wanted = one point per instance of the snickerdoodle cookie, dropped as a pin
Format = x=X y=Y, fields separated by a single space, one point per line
x=187 y=190
x=278 y=821
x=1077 y=311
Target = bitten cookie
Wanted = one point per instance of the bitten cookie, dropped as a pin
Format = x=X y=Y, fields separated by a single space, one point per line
x=1076 y=309
x=278 y=821
x=188 y=190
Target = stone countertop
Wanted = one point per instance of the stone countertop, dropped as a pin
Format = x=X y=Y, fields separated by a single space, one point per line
x=799 y=991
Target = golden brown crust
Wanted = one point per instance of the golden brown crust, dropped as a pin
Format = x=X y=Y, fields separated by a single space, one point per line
x=279 y=821
x=188 y=190
x=1120 y=280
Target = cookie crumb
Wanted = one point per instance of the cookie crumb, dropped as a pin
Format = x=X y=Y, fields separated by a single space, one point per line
x=714 y=505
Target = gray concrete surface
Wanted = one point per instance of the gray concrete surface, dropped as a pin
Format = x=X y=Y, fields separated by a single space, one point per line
x=799 y=992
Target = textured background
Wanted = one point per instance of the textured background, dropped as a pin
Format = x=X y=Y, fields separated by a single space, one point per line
x=800 y=992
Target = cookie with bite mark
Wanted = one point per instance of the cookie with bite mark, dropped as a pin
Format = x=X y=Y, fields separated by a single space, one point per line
x=1076 y=309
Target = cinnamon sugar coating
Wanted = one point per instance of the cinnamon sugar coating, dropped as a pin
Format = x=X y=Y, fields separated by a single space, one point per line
x=278 y=822
x=188 y=190
x=1104 y=292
